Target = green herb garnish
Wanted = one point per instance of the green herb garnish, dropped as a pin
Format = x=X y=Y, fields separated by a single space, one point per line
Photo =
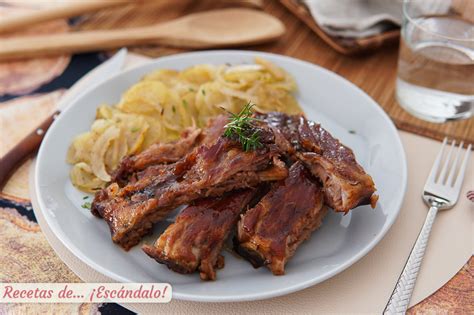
x=185 y=103
x=86 y=205
x=203 y=92
x=174 y=109
x=85 y=197
x=240 y=127
x=134 y=129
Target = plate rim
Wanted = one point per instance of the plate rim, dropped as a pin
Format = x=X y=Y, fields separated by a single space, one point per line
x=243 y=297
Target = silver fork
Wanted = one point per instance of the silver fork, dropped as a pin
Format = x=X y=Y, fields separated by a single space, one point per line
x=441 y=192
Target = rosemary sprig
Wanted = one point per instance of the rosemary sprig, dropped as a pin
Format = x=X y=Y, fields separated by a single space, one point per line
x=240 y=128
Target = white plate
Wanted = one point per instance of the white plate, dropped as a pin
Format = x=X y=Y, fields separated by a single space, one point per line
x=342 y=108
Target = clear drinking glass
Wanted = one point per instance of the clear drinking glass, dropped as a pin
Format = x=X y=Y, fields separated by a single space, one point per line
x=436 y=61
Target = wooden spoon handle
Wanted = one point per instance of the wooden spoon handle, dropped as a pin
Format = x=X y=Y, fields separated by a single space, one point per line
x=15 y=22
x=24 y=47
x=18 y=154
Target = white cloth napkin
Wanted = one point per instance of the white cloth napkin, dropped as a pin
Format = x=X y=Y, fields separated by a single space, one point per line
x=355 y=18
x=364 y=18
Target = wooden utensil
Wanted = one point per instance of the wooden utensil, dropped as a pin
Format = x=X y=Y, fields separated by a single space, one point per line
x=21 y=151
x=210 y=29
x=15 y=22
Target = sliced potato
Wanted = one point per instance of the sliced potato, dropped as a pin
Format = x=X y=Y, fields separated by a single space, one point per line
x=105 y=112
x=210 y=101
x=117 y=149
x=83 y=178
x=277 y=72
x=243 y=75
x=98 y=152
x=166 y=76
x=198 y=74
x=79 y=150
x=135 y=131
x=145 y=97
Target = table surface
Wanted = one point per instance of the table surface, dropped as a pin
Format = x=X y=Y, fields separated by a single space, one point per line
x=374 y=73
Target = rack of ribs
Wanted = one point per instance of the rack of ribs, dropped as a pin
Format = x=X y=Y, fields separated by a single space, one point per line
x=194 y=241
x=270 y=233
x=204 y=163
x=346 y=184
x=130 y=211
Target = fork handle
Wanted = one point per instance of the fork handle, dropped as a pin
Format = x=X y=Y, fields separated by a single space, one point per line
x=400 y=298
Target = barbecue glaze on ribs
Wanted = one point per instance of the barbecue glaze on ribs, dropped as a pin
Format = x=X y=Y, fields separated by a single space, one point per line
x=204 y=164
x=164 y=153
x=270 y=233
x=207 y=171
x=194 y=241
x=346 y=184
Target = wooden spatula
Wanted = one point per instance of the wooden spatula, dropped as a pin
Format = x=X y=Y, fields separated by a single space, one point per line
x=210 y=29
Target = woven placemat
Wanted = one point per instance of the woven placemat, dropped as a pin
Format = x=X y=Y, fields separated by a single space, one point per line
x=375 y=73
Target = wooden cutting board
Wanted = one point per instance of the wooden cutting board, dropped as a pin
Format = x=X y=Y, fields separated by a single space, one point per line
x=373 y=72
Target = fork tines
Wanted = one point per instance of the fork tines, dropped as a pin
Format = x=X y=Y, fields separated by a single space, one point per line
x=451 y=173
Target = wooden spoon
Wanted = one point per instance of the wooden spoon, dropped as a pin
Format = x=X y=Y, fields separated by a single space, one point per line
x=16 y=22
x=210 y=29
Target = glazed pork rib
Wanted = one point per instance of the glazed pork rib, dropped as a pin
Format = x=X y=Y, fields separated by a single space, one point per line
x=346 y=184
x=165 y=153
x=212 y=170
x=194 y=241
x=158 y=153
x=270 y=233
